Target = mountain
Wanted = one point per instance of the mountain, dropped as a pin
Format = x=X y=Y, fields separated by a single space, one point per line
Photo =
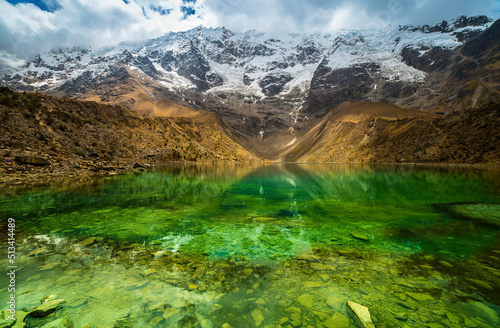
x=272 y=90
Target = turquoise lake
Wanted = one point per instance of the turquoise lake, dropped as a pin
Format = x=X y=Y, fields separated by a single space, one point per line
x=278 y=245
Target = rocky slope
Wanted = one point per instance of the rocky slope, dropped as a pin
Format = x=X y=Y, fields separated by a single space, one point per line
x=384 y=133
x=46 y=135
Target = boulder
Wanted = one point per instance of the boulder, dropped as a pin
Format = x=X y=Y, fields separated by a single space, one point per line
x=362 y=314
x=47 y=308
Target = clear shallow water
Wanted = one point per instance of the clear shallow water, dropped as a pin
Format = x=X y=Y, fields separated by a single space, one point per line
x=274 y=245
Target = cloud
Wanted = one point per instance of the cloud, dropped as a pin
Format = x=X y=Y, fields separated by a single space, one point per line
x=26 y=29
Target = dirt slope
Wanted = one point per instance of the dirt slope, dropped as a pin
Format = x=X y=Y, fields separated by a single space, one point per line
x=384 y=133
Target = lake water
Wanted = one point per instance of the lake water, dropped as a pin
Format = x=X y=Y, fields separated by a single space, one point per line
x=281 y=245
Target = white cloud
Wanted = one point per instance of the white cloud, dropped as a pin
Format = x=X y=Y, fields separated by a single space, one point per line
x=26 y=30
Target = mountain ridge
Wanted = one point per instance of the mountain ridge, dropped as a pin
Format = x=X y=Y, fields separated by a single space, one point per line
x=270 y=91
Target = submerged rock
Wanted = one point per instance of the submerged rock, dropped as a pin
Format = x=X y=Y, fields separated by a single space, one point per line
x=47 y=308
x=5 y=322
x=86 y=242
x=361 y=313
x=306 y=300
x=338 y=320
x=486 y=213
x=257 y=316
x=360 y=236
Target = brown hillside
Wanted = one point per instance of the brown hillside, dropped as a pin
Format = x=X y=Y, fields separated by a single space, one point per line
x=73 y=135
x=383 y=133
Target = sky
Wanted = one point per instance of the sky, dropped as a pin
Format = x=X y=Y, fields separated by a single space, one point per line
x=29 y=27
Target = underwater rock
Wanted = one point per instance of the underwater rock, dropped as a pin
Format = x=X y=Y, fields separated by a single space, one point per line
x=322 y=267
x=283 y=320
x=479 y=283
x=485 y=213
x=338 y=320
x=334 y=302
x=311 y=284
x=361 y=313
x=401 y=316
x=48 y=298
x=257 y=316
x=420 y=297
x=160 y=253
x=5 y=322
x=153 y=322
x=296 y=319
x=60 y=323
x=47 y=308
x=308 y=258
x=360 y=236
x=169 y=313
x=148 y=272
x=86 y=242
x=306 y=300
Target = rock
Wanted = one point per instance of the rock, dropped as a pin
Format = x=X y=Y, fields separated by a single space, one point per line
x=453 y=318
x=59 y=323
x=420 y=297
x=361 y=313
x=409 y=304
x=308 y=258
x=141 y=166
x=48 y=298
x=169 y=313
x=32 y=159
x=338 y=320
x=260 y=301
x=479 y=283
x=47 y=308
x=160 y=254
x=334 y=302
x=306 y=300
x=258 y=317
x=311 y=284
x=283 y=320
x=148 y=272
x=296 y=319
x=5 y=322
x=153 y=322
x=360 y=235
x=292 y=309
x=401 y=316
x=86 y=242
x=322 y=267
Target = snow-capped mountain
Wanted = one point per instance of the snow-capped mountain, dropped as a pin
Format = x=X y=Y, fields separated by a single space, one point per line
x=260 y=83
x=253 y=63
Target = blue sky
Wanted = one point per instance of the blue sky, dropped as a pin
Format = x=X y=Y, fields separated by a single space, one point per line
x=33 y=26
